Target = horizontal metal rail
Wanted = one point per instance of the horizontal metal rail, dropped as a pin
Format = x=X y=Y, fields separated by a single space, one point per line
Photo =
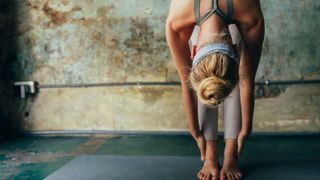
x=173 y=83
x=288 y=82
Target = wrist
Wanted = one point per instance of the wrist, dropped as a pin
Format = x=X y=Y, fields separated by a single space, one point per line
x=246 y=130
x=195 y=134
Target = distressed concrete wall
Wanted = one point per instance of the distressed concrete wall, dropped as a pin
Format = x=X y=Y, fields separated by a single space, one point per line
x=290 y=47
x=91 y=41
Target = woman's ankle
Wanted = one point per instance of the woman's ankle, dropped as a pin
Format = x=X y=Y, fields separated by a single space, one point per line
x=230 y=150
x=212 y=152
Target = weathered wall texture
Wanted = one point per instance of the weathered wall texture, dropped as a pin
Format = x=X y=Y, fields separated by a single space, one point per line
x=91 y=41
x=94 y=41
x=292 y=36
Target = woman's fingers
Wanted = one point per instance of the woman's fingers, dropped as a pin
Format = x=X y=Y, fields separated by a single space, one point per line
x=202 y=146
x=240 y=144
x=203 y=149
x=241 y=140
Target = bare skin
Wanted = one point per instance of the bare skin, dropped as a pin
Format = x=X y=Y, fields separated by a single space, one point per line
x=179 y=26
x=210 y=169
x=230 y=169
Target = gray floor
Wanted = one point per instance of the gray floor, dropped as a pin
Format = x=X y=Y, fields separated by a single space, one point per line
x=113 y=167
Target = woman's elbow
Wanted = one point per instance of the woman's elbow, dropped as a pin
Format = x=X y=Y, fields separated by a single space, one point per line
x=170 y=24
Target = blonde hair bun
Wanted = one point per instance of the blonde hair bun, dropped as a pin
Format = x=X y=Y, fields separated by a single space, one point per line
x=212 y=90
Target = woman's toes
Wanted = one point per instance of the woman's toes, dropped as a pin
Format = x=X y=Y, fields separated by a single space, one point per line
x=223 y=177
x=239 y=175
x=206 y=177
x=234 y=177
x=199 y=175
x=217 y=177
x=214 y=178
x=230 y=177
x=202 y=176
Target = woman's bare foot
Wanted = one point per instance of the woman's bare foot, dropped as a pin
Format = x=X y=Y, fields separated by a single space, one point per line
x=230 y=169
x=210 y=169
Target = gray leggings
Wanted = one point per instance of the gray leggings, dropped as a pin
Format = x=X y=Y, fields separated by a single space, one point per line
x=208 y=117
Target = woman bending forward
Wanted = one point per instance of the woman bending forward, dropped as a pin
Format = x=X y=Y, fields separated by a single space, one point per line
x=218 y=69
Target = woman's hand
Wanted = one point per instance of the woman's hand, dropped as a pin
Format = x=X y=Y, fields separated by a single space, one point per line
x=242 y=137
x=201 y=142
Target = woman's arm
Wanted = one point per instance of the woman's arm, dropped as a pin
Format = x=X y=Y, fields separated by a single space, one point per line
x=179 y=27
x=251 y=26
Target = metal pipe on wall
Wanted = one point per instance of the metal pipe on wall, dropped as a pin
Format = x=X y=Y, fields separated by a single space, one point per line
x=287 y=82
x=173 y=83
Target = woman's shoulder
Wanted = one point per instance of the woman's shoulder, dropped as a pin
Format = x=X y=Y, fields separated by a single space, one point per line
x=181 y=13
x=247 y=11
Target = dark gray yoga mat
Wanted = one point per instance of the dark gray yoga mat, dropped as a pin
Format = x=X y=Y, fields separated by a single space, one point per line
x=111 y=167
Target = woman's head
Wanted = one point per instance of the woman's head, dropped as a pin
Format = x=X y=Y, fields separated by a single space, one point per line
x=214 y=77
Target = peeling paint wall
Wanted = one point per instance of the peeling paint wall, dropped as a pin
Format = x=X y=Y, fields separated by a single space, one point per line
x=292 y=36
x=92 y=41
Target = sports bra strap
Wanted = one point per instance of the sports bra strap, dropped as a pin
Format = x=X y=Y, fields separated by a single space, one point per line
x=230 y=9
x=227 y=18
x=197 y=9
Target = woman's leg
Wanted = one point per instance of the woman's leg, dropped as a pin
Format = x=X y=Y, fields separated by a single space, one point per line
x=232 y=114
x=232 y=126
x=208 y=121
